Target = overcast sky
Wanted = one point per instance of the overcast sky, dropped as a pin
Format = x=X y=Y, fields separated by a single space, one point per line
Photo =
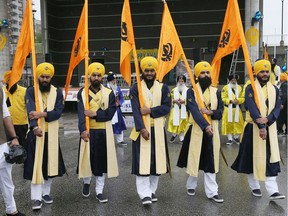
x=271 y=22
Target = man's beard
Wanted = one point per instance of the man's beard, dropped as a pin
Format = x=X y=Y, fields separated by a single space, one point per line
x=263 y=82
x=232 y=85
x=180 y=87
x=204 y=82
x=113 y=86
x=149 y=82
x=95 y=84
x=44 y=87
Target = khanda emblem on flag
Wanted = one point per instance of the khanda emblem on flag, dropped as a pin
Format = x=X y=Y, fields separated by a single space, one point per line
x=77 y=47
x=225 y=39
x=124 y=36
x=167 y=52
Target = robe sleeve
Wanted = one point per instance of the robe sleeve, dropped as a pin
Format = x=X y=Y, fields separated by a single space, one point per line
x=80 y=111
x=273 y=116
x=251 y=106
x=107 y=114
x=217 y=114
x=136 y=108
x=194 y=110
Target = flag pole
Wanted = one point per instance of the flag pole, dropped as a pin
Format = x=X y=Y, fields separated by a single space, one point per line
x=86 y=69
x=35 y=78
x=139 y=86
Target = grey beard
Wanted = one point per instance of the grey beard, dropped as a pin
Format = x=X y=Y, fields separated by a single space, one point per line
x=180 y=87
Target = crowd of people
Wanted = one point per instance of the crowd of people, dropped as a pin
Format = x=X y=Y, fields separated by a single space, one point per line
x=99 y=115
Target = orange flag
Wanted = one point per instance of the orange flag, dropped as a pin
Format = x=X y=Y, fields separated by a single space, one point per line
x=266 y=54
x=80 y=45
x=170 y=51
x=127 y=42
x=170 y=48
x=24 y=45
x=232 y=37
x=128 y=45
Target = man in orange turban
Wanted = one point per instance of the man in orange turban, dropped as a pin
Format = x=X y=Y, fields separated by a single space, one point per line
x=44 y=162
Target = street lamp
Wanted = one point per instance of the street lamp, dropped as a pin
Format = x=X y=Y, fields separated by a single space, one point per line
x=282 y=40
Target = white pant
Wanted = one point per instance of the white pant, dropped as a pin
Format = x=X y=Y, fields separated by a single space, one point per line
x=210 y=184
x=146 y=185
x=6 y=183
x=270 y=184
x=119 y=137
x=100 y=182
x=39 y=190
x=230 y=136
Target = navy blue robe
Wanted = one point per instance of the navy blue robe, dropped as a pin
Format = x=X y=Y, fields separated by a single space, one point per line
x=98 y=148
x=244 y=160
x=156 y=112
x=31 y=138
x=207 y=156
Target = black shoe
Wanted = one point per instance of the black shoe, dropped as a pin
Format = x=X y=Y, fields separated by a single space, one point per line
x=257 y=193
x=18 y=214
x=173 y=139
x=122 y=143
x=229 y=142
x=47 y=199
x=154 y=198
x=102 y=198
x=191 y=192
x=146 y=201
x=86 y=190
x=277 y=196
x=36 y=204
x=237 y=141
x=217 y=199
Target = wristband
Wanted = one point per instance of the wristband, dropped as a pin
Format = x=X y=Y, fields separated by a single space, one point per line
x=35 y=128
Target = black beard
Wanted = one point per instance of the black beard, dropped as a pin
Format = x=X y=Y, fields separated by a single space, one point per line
x=204 y=82
x=44 y=88
x=149 y=83
x=95 y=84
x=12 y=89
x=263 y=82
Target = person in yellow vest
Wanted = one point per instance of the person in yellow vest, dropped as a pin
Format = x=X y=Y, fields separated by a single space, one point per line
x=232 y=121
x=45 y=161
x=259 y=151
x=15 y=100
x=97 y=141
x=150 y=156
x=201 y=145
x=275 y=72
x=6 y=183
x=178 y=118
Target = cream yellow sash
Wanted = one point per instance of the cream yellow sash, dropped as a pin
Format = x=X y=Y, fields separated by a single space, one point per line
x=259 y=145
x=53 y=145
x=152 y=98
x=84 y=154
x=195 y=144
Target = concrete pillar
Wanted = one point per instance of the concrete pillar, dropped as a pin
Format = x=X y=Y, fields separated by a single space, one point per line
x=4 y=53
x=44 y=25
x=251 y=7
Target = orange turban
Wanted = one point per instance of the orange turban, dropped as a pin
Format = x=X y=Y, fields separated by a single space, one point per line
x=149 y=62
x=45 y=68
x=96 y=67
x=262 y=65
x=202 y=66
x=284 y=77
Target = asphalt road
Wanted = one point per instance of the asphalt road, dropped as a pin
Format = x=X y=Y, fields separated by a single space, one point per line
x=171 y=193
